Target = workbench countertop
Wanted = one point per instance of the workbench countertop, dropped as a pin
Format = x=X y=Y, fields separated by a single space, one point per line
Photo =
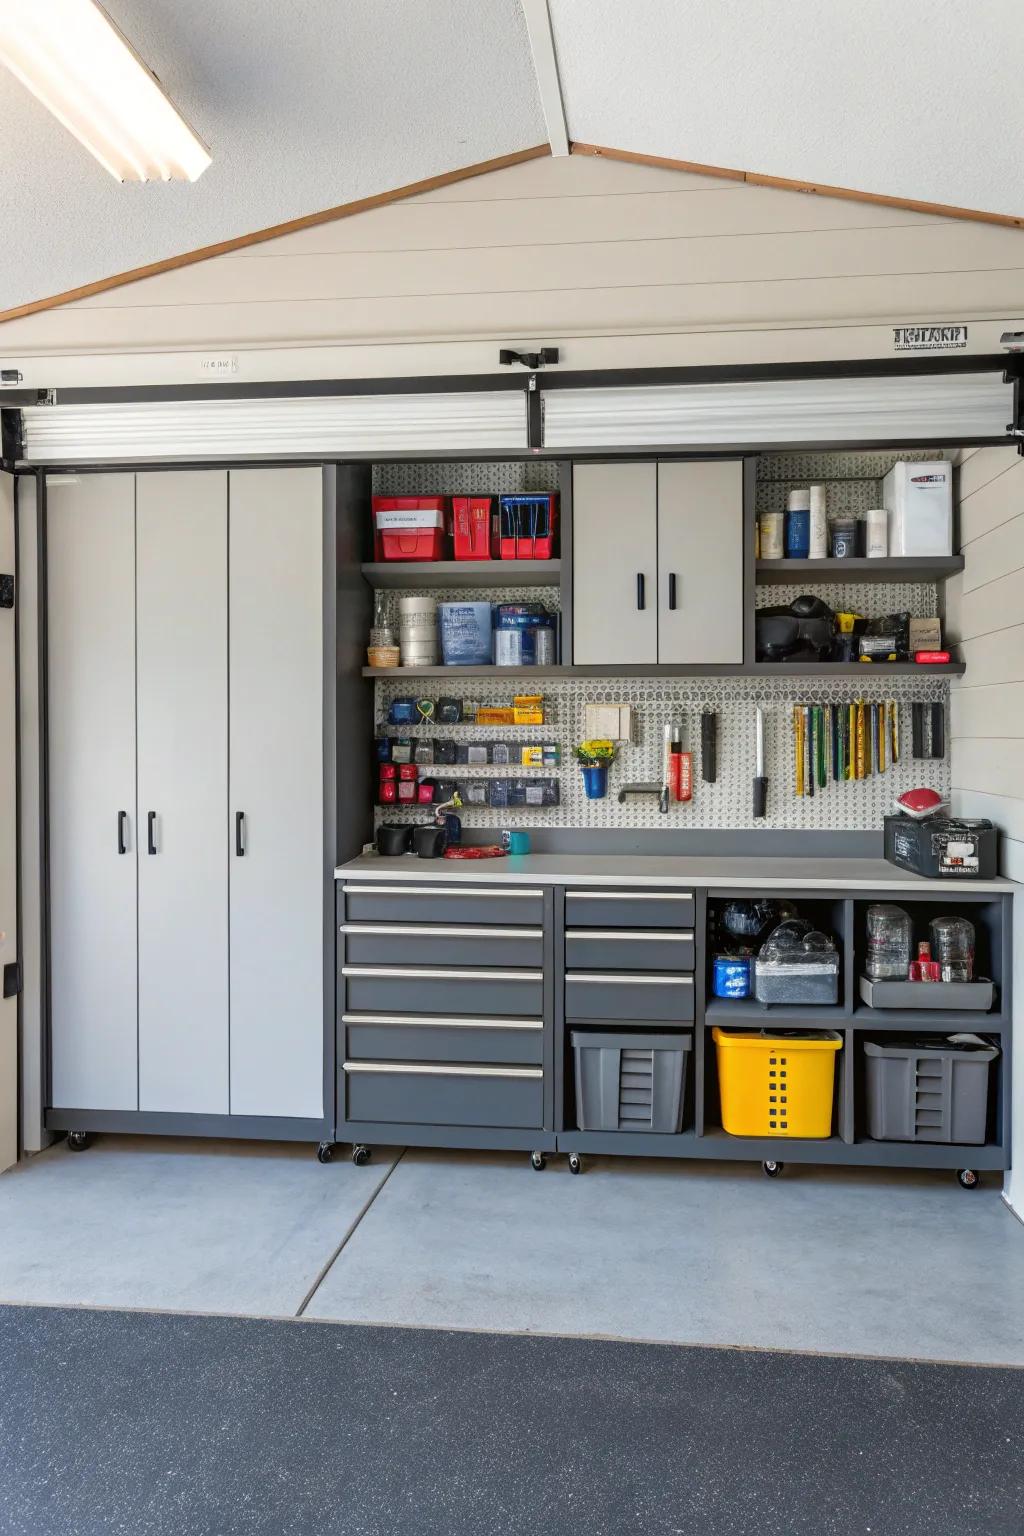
x=732 y=873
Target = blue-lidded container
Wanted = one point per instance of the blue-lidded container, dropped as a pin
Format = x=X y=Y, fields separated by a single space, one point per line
x=730 y=976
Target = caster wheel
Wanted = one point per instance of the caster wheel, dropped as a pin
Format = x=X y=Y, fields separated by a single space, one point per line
x=967 y=1178
x=772 y=1170
x=78 y=1141
x=575 y=1163
x=538 y=1161
x=325 y=1152
x=360 y=1156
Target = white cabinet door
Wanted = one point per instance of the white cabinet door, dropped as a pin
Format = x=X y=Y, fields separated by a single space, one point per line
x=182 y=660
x=614 y=564
x=8 y=841
x=90 y=573
x=277 y=789
x=700 y=562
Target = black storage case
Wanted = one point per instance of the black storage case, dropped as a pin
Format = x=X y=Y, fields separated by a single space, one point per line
x=942 y=847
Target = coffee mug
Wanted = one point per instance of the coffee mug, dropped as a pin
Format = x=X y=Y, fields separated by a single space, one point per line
x=515 y=842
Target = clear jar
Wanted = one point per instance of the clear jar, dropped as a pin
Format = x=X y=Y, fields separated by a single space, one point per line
x=890 y=932
x=953 y=947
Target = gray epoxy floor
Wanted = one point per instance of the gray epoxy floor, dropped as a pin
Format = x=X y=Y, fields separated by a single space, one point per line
x=833 y=1260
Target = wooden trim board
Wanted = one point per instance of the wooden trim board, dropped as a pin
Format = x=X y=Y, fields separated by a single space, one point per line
x=256 y=237
x=786 y=184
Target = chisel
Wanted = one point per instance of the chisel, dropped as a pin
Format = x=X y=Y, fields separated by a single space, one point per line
x=894 y=720
x=873 y=767
x=819 y=710
x=798 y=748
x=809 y=750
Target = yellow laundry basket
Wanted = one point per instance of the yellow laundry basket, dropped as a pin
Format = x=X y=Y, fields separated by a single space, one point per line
x=777 y=1085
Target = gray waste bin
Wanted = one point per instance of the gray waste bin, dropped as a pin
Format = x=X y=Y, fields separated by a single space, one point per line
x=630 y=1082
x=921 y=1090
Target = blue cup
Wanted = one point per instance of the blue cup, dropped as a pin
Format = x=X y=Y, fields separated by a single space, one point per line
x=516 y=842
x=798 y=535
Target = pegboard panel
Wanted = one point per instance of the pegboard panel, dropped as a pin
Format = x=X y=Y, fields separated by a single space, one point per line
x=871 y=600
x=728 y=802
x=551 y=597
x=472 y=478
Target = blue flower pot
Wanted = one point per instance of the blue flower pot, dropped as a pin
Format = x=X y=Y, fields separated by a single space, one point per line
x=595 y=780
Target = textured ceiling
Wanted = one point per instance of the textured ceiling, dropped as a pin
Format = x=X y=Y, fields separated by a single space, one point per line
x=918 y=99
x=307 y=104
x=304 y=103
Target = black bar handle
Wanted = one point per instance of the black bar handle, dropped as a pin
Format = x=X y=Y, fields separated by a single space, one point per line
x=640 y=597
x=239 y=824
x=122 y=817
x=150 y=820
x=760 y=798
x=672 y=589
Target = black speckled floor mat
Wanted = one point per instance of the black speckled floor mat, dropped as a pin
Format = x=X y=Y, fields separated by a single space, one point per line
x=164 y=1425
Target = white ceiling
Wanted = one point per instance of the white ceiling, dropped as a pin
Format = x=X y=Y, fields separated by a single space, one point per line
x=305 y=104
x=310 y=103
x=916 y=99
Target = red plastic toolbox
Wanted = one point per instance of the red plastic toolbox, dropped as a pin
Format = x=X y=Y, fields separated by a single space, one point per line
x=418 y=535
x=528 y=526
x=471 y=527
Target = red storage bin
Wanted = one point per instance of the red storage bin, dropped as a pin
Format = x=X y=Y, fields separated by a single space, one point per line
x=471 y=527
x=409 y=527
x=527 y=524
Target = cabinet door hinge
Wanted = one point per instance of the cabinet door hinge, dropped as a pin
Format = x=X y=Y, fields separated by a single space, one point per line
x=12 y=979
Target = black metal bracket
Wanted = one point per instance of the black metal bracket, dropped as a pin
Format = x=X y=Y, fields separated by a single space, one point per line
x=531 y=360
x=12 y=979
x=6 y=590
x=1014 y=373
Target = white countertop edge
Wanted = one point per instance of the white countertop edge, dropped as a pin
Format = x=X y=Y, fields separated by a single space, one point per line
x=732 y=873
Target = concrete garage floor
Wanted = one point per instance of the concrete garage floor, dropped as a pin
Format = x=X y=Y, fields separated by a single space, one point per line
x=836 y=1261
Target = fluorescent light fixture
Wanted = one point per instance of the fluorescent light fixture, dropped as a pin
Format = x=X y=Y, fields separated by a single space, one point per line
x=72 y=57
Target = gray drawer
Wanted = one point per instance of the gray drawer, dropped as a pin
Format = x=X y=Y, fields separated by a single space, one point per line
x=628 y=949
x=404 y=1037
x=628 y=999
x=629 y=909
x=413 y=944
x=430 y=903
x=428 y=1094
x=417 y=989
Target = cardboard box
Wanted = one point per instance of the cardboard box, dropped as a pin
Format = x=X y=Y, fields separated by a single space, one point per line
x=925 y=635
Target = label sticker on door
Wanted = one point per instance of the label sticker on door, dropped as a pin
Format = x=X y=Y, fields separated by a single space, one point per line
x=929 y=338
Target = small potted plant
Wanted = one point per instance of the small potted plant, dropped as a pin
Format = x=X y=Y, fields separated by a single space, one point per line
x=595 y=758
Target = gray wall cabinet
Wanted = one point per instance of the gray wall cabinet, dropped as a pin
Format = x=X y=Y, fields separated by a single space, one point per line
x=185 y=708
x=658 y=563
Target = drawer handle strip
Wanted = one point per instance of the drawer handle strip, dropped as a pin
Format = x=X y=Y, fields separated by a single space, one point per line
x=419 y=1069
x=418 y=930
x=627 y=935
x=418 y=973
x=431 y=891
x=422 y=1021
x=629 y=895
x=628 y=978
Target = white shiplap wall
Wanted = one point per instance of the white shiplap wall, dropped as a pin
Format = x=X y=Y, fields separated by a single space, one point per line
x=985 y=613
x=565 y=250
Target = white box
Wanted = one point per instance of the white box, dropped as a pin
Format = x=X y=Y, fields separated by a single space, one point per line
x=919 y=501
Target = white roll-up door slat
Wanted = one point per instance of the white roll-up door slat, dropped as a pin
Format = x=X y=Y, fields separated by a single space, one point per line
x=316 y=427
x=893 y=409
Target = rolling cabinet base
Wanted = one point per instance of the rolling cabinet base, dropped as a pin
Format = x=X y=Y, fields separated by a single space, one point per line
x=717 y=1146
x=457 y=1138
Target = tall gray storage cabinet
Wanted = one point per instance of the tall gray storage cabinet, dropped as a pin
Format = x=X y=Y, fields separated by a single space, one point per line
x=187 y=800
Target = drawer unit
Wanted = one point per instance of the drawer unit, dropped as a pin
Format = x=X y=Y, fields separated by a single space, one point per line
x=415 y=944
x=427 y=1093
x=629 y=909
x=430 y=903
x=455 y=990
x=406 y=1037
x=628 y=998
x=628 y=949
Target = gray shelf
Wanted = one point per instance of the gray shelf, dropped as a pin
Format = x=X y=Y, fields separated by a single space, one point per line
x=923 y=568
x=867 y=670
x=425 y=574
x=910 y=1021
x=748 y=1013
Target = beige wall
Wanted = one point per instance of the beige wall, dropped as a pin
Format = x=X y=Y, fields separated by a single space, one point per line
x=985 y=614
x=622 y=265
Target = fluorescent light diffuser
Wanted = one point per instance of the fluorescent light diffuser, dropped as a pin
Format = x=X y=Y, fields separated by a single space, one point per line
x=71 y=56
